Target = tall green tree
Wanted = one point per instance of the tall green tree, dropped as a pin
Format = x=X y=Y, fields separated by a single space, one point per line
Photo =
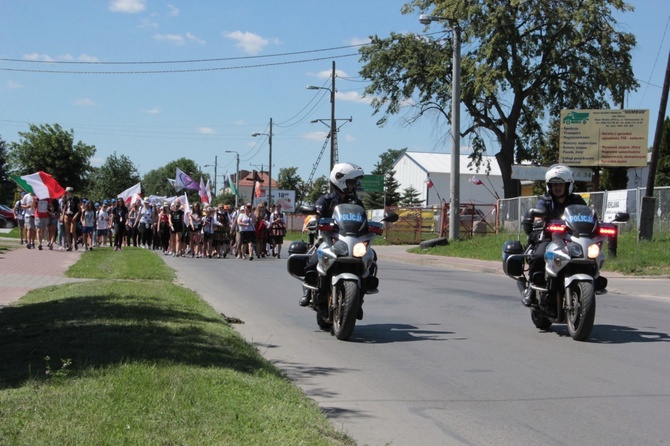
x=117 y=174
x=290 y=180
x=522 y=62
x=51 y=149
x=663 y=166
x=7 y=186
x=315 y=190
x=155 y=182
x=390 y=196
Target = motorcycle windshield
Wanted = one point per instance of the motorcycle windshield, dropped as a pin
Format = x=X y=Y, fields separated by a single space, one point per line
x=351 y=219
x=580 y=219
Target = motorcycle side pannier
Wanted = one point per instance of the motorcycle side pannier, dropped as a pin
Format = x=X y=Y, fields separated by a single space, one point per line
x=512 y=264
x=298 y=247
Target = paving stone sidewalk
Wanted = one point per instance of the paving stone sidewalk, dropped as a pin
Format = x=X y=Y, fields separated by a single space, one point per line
x=22 y=270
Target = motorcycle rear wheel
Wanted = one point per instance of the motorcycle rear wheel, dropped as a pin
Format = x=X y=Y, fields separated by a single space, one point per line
x=580 y=319
x=347 y=302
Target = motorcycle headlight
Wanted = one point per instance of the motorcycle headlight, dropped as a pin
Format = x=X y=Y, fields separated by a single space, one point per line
x=575 y=250
x=340 y=248
x=593 y=251
x=360 y=249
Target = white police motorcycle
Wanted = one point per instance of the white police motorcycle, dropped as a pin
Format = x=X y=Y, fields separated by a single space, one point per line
x=346 y=267
x=573 y=258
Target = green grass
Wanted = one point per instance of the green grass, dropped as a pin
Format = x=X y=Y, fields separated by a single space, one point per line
x=633 y=257
x=130 y=263
x=140 y=362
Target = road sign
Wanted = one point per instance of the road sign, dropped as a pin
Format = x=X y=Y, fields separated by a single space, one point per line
x=372 y=183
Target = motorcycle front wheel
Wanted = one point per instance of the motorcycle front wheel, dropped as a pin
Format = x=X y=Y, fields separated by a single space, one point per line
x=582 y=297
x=347 y=302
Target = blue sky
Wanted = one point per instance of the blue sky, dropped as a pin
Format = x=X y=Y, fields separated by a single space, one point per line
x=156 y=113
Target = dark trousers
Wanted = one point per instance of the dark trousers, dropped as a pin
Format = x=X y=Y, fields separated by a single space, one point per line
x=119 y=232
x=536 y=261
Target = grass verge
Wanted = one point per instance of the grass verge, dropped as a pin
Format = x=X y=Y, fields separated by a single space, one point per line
x=646 y=258
x=140 y=361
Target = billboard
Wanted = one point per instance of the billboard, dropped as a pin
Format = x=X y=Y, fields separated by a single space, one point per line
x=604 y=138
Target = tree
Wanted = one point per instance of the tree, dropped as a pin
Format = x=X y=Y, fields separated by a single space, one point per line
x=663 y=166
x=51 y=149
x=290 y=180
x=155 y=182
x=522 y=62
x=410 y=197
x=314 y=191
x=7 y=186
x=377 y=200
x=117 y=174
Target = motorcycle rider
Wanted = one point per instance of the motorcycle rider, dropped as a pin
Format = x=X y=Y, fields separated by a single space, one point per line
x=560 y=183
x=343 y=178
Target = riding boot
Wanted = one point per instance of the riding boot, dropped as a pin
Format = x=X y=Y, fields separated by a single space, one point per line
x=306 y=297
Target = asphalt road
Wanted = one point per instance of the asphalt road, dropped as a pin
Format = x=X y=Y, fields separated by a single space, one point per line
x=448 y=356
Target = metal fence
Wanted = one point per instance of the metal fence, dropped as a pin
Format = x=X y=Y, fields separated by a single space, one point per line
x=512 y=210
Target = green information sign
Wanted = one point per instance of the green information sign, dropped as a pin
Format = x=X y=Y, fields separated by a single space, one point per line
x=372 y=183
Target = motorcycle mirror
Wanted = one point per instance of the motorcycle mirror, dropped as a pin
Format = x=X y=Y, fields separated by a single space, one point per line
x=390 y=217
x=622 y=217
x=536 y=212
x=307 y=209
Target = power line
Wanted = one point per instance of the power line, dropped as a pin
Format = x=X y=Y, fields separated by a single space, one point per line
x=189 y=70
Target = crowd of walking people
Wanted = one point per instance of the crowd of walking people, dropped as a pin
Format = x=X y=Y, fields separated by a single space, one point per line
x=170 y=227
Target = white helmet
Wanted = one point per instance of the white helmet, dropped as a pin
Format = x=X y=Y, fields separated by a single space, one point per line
x=342 y=172
x=559 y=173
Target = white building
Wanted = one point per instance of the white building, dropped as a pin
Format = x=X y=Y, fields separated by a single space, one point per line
x=415 y=168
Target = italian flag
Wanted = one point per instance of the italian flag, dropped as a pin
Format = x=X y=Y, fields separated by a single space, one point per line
x=41 y=184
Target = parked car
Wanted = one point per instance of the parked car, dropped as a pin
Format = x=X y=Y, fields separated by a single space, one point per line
x=8 y=214
x=3 y=221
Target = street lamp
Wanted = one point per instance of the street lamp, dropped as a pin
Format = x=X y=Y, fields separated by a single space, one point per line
x=455 y=183
x=269 y=135
x=237 y=177
x=216 y=192
x=333 y=154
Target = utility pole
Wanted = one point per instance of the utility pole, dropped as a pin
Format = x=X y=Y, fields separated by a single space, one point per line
x=648 y=202
x=216 y=191
x=333 y=130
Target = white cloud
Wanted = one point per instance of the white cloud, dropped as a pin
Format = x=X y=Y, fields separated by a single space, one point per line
x=127 y=6
x=174 y=11
x=239 y=122
x=359 y=41
x=206 y=130
x=315 y=136
x=178 y=39
x=349 y=138
x=352 y=96
x=35 y=56
x=195 y=39
x=325 y=74
x=153 y=111
x=174 y=38
x=63 y=57
x=148 y=23
x=13 y=85
x=85 y=102
x=248 y=42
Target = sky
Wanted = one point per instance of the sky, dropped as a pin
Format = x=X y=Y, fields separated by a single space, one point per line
x=197 y=78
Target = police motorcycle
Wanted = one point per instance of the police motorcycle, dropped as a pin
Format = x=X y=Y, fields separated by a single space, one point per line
x=573 y=260
x=347 y=266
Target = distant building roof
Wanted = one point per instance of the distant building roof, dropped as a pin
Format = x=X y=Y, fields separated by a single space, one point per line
x=441 y=163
